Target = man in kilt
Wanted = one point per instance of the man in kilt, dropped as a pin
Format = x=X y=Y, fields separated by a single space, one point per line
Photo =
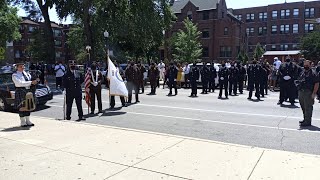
x=23 y=84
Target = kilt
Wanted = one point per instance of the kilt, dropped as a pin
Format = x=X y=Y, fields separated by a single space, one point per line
x=20 y=96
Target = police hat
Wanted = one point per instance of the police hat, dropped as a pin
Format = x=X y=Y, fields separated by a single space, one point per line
x=20 y=63
x=72 y=62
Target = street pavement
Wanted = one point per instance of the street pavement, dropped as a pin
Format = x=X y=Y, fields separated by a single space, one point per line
x=261 y=124
x=56 y=150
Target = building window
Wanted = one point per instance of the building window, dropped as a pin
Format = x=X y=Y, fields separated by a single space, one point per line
x=205 y=34
x=250 y=17
x=273 y=47
x=225 y=51
x=295 y=28
x=226 y=31
x=295 y=46
x=205 y=15
x=284 y=47
x=17 y=54
x=205 y=52
x=189 y=15
x=58 y=54
x=239 y=17
x=250 y=31
x=263 y=16
x=57 y=33
x=285 y=14
x=274 y=29
x=31 y=29
x=262 y=31
x=57 y=43
x=274 y=14
x=295 y=13
x=308 y=28
x=284 y=29
x=309 y=13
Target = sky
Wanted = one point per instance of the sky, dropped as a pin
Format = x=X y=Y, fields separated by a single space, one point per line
x=235 y=4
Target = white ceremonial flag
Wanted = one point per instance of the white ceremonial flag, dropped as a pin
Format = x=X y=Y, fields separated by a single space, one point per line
x=117 y=86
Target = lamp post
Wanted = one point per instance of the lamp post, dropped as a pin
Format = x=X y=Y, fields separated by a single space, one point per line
x=88 y=48
x=106 y=36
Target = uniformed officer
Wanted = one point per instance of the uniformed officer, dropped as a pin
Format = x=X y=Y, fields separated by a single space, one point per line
x=205 y=76
x=308 y=85
x=95 y=88
x=172 y=74
x=223 y=80
x=153 y=75
x=254 y=78
x=141 y=71
x=194 y=77
x=318 y=72
x=241 y=76
x=72 y=83
x=132 y=77
x=233 y=79
x=264 y=79
x=287 y=73
x=23 y=82
x=212 y=77
x=112 y=98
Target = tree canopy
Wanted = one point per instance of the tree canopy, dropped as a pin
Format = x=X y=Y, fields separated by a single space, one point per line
x=258 y=52
x=310 y=45
x=9 y=24
x=186 y=44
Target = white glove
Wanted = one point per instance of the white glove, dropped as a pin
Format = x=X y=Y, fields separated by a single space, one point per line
x=175 y=79
x=95 y=84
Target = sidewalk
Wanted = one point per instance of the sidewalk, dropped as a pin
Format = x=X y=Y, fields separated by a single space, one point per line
x=70 y=150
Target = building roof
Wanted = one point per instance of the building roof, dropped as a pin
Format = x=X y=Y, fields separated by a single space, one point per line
x=28 y=21
x=201 y=4
x=54 y=25
x=281 y=53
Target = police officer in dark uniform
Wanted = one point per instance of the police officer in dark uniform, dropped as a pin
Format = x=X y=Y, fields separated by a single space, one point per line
x=194 y=77
x=308 y=85
x=72 y=83
x=212 y=77
x=141 y=71
x=318 y=72
x=241 y=76
x=264 y=79
x=287 y=74
x=172 y=73
x=233 y=79
x=153 y=75
x=254 y=78
x=223 y=80
x=205 y=76
x=95 y=88
x=132 y=76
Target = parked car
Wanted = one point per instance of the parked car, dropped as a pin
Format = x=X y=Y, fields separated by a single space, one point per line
x=7 y=92
x=217 y=66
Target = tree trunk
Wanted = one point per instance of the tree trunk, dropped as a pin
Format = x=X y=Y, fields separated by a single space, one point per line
x=88 y=27
x=48 y=32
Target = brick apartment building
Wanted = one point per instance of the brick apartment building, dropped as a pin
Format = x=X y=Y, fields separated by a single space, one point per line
x=222 y=37
x=278 y=27
x=27 y=27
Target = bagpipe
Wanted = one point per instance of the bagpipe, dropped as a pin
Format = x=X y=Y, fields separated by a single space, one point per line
x=29 y=103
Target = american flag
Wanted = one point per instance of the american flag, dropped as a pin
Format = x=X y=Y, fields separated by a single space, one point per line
x=87 y=85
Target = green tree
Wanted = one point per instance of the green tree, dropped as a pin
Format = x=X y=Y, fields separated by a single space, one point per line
x=258 y=52
x=9 y=24
x=310 y=45
x=38 y=47
x=39 y=10
x=186 y=44
x=245 y=59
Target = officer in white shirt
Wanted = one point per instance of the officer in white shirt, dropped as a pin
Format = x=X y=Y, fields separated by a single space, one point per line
x=60 y=71
x=161 y=67
x=22 y=81
x=186 y=71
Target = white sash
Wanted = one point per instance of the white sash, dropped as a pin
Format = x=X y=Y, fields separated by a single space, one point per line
x=94 y=81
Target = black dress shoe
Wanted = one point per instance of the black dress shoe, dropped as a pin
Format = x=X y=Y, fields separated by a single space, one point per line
x=92 y=113
x=301 y=122
x=137 y=101
x=279 y=103
x=249 y=98
x=100 y=111
x=81 y=119
x=68 y=118
x=305 y=124
x=124 y=105
x=24 y=126
x=30 y=124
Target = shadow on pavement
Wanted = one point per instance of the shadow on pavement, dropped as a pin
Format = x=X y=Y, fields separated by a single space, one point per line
x=17 y=128
x=113 y=113
x=42 y=107
x=289 y=106
x=310 y=128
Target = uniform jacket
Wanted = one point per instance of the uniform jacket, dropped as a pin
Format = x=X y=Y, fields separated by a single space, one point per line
x=132 y=74
x=254 y=73
x=72 y=82
x=224 y=74
x=172 y=73
x=212 y=73
x=242 y=73
x=141 y=70
x=234 y=73
x=194 y=74
x=94 y=78
x=287 y=69
x=205 y=73
x=153 y=74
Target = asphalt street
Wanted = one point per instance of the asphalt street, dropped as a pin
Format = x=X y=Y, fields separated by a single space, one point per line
x=237 y=120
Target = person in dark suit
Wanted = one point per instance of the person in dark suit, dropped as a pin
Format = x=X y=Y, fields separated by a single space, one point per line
x=233 y=79
x=153 y=75
x=141 y=71
x=212 y=77
x=194 y=77
x=205 y=72
x=72 y=84
x=254 y=78
x=132 y=77
x=172 y=74
x=242 y=76
x=287 y=74
x=95 y=88
x=223 y=80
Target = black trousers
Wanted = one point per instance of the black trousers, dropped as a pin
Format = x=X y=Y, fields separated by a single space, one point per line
x=141 y=85
x=205 y=86
x=264 y=87
x=113 y=102
x=173 y=84
x=240 y=82
x=254 y=86
x=153 y=84
x=194 y=88
x=223 y=85
x=24 y=113
x=287 y=91
x=232 y=87
x=133 y=87
x=59 y=82
x=95 y=92
x=212 y=85
x=186 y=80
x=69 y=100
